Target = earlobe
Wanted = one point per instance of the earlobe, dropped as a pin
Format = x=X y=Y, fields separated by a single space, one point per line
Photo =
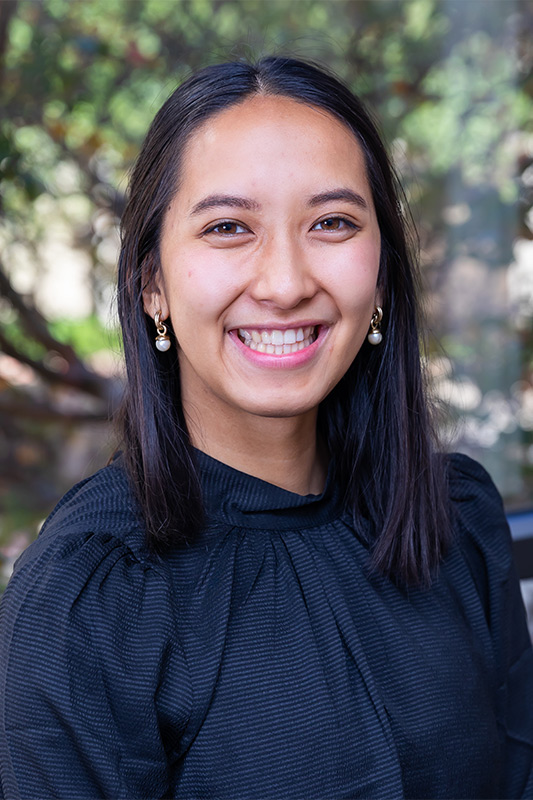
x=153 y=301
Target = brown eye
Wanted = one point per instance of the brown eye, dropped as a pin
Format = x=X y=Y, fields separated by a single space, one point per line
x=332 y=224
x=227 y=228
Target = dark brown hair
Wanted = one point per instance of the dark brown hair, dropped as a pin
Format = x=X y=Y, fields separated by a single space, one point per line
x=376 y=421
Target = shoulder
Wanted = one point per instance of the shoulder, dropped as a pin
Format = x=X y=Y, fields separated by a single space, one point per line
x=101 y=508
x=477 y=509
x=484 y=539
x=480 y=524
x=91 y=547
x=483 y=536
x=88 y=576
x=88 y=628
x=104 y=501
x=468 y=479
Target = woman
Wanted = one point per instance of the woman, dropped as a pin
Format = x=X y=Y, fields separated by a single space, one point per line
x=279 y=590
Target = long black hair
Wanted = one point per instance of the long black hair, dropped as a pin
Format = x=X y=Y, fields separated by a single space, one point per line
x=376 y=421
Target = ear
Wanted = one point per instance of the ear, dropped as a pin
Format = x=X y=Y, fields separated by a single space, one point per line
x=154 y=297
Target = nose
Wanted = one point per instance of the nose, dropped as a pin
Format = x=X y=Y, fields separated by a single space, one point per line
x=283 y=275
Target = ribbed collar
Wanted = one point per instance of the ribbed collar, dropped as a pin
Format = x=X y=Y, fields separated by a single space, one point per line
x=240 y=499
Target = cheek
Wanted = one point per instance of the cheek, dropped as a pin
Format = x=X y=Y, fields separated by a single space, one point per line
x=354 y=281
x=199 y=293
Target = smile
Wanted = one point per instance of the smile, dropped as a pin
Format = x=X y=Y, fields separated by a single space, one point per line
x=277 y=342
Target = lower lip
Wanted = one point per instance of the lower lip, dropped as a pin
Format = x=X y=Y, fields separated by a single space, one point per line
x=285 y=360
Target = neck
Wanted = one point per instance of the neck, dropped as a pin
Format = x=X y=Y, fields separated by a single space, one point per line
x=281 y=451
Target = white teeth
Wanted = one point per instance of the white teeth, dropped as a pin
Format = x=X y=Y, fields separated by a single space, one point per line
x=277 y=341
x=289 y=337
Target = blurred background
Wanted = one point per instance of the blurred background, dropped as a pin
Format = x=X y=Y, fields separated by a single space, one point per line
x=451 y=82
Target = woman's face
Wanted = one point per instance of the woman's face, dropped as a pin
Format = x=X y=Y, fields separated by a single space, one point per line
x=269 y=260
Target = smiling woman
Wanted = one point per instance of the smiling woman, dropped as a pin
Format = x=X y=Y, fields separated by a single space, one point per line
x=269 y=246
x=281 y=588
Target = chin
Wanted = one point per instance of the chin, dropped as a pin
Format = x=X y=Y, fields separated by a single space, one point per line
x=282 y=404
x=282 y=410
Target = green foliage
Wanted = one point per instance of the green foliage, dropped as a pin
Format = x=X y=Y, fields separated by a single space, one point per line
x=87 y=336
x=83 y=78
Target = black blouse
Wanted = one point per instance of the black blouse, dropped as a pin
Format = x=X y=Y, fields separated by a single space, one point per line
x=265 y=660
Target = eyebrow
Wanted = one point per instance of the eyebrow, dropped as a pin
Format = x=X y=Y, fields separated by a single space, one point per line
x=338 y=194
x=233 y=201
x=218 y=200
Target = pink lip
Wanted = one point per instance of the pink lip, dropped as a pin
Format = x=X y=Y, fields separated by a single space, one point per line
x=285 y=360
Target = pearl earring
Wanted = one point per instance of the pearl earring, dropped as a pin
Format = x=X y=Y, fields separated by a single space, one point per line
x=162 y=340
x=375 y=337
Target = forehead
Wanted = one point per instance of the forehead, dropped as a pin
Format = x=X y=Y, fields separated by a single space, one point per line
x=270 y=137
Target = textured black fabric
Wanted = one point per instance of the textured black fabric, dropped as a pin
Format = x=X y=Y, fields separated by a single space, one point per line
x=264 y=660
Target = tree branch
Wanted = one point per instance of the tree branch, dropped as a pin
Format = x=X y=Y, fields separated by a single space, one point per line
x=77 y=375
x=40 y=412
x=33 y=321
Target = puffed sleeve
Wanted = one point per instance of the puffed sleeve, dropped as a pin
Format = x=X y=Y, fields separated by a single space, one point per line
x=87 y=641
x=487 y=547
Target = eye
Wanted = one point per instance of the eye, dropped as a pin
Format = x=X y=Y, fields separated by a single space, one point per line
x=227 y=228
x=333 y=224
